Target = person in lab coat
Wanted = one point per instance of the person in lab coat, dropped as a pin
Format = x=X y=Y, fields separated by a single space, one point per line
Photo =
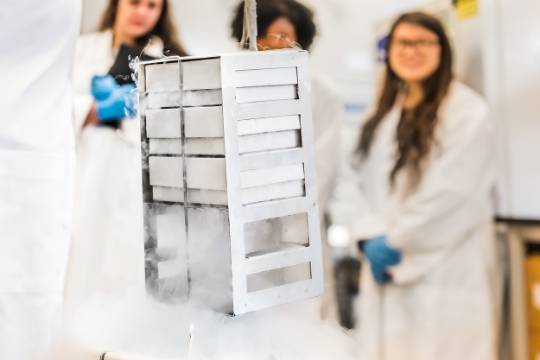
x=422 y=180
x=107 y=252
x=286 y=24
x=36 y=171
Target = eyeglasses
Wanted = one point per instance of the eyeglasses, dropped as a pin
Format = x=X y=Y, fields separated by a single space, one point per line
x=419 y=44
x=278 y=40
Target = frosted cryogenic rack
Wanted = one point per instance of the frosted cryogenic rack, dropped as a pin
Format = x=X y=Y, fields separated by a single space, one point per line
x=230 y=201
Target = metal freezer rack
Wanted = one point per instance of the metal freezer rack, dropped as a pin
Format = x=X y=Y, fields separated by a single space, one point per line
x=229 y=189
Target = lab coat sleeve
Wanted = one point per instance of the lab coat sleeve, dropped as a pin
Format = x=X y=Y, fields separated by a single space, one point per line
x=82 y=98
x=327 y=119
x=454 y=195
x=350 y=207
x=81 y=107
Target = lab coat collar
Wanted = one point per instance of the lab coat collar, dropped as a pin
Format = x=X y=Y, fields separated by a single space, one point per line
x=153 y=48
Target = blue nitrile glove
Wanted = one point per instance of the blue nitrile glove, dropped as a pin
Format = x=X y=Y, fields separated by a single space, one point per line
x=381 y=255
x=120 y=104
x=103 y=86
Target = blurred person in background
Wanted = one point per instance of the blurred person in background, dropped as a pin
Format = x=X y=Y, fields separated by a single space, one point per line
x=285 y=24
x=36 y=171
x=107 y=253
x=417 y=197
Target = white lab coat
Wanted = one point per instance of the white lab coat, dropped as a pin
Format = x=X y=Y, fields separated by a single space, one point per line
x=36 y=166
x=327 y=113
x=441 y=304
x=107 y=255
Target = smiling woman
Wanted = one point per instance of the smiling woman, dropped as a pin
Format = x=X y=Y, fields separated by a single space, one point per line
x=419 y=71
x=135 y=22
x=418 y=201
x=415 y=52
x=281 y=24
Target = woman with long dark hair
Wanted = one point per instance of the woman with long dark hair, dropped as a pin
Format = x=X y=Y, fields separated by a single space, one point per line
x=423 y=175
x=143 y=27
x=107 y=245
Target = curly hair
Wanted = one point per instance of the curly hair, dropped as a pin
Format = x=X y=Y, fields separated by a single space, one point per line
x=269 y=11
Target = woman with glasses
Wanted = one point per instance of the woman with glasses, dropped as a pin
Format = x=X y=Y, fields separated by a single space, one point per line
x=422 y=178
x=280 y=23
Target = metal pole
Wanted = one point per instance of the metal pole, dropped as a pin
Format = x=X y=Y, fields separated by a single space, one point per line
x=249 y=33
x=382 y=355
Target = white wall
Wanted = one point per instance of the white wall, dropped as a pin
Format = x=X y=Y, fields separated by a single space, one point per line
x=512 y=59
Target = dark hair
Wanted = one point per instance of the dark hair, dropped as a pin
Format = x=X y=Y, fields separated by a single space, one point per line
x=269 y=11
x=416 y=130
x=164 y=29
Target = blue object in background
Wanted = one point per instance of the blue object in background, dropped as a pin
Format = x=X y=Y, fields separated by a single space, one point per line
x=382 y=49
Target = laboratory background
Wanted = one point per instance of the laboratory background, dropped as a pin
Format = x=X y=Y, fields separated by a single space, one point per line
x=270 y=179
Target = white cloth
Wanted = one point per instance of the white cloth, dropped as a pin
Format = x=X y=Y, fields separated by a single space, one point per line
x=327 y=110
x=441 y=304
x=36 y=166
x=107 y=253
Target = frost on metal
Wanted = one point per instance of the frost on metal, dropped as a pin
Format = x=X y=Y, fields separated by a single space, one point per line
x=231 y=216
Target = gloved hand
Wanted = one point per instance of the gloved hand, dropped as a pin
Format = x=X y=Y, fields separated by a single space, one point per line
x=381 y=255
x=120 y=104
x=103 y=86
